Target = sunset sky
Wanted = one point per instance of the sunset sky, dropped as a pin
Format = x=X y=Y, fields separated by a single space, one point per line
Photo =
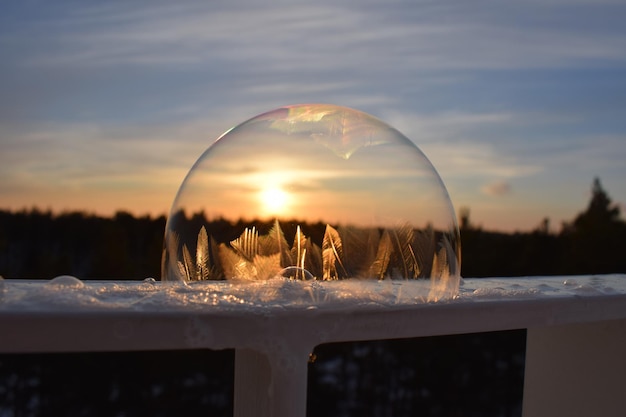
x=105 y=106
x=317 y=163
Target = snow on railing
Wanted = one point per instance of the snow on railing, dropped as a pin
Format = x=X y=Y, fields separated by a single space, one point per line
x=576 y=338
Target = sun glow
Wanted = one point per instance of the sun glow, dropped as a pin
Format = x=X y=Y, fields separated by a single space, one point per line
x=274 y=200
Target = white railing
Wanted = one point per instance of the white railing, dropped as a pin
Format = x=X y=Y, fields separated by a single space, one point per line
x=576 y=330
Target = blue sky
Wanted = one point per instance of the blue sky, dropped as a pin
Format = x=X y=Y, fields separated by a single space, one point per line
x=519 y=104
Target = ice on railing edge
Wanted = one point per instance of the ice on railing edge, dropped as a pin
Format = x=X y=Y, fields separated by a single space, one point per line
x=69 y=293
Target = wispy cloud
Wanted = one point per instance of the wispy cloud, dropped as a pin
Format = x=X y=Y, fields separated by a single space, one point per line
x=498 y=188
x=454 y=142
x=53 y=154
x=298 y=37
x=368 y=55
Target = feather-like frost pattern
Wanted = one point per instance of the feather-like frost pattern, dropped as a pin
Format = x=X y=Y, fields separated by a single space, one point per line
x=306 y=254
x=423 y=241
x=247 y=244
x=332 y=252
x=299 y=245
x=445 y=275
x=452 y=256
x=267 y=267
x=402 y=238
x=173 y=243
x=229 y=260
x=217 y=271
x=164 y=260
x=314 y=259
x=451 y=274
x=189 y=264
x=302 y=261
x=345 y=252
x=275 y=242
x=355 y=253
x=203 y=262
x=299 y=253
x=378 y=269
x=439 y=276
x=182 y=271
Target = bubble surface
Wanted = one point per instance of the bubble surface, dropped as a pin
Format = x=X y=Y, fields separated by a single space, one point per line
x=65 y=281
x=318 y=191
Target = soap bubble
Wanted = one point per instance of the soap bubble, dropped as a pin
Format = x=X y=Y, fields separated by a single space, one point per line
x=65 y=281
x=315 y=191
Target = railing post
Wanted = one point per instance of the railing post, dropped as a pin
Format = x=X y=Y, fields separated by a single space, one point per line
x=576 y=370
x=270 y=384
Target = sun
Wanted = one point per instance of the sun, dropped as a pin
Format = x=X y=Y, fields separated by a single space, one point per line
x=274 y=200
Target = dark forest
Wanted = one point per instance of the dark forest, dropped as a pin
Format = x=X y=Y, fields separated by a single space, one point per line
x=36 y=244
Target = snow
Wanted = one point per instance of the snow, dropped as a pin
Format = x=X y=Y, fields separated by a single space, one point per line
x=66 y=293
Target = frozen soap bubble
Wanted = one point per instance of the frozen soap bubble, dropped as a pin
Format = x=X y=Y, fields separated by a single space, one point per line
x=319 y=191
x=65 y=281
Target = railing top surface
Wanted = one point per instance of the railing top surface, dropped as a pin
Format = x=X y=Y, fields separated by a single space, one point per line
x=70 y=315
x=68 y=295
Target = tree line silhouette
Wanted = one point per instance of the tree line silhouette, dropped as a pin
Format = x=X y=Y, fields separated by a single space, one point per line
x=594 y=242
x=36 y=244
